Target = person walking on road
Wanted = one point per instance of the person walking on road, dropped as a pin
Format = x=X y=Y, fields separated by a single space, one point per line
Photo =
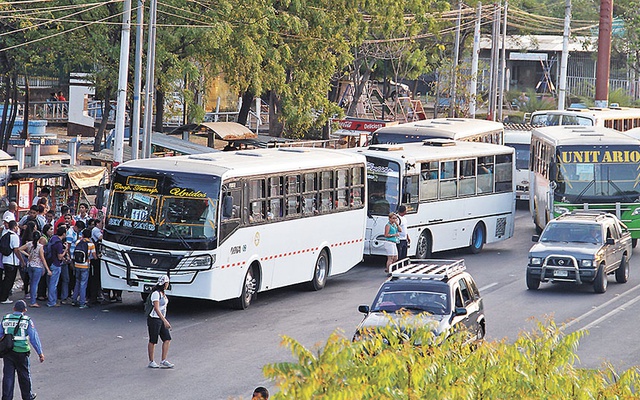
x=403 y=245
x=158 y=324
x=17 y=360
x=391 y=233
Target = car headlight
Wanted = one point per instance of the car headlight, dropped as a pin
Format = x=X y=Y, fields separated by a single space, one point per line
x=636 y=211
x=535 y=261
x=560 y=210
x=587 y=263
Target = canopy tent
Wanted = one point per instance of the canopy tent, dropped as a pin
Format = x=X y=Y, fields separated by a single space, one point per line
x=228 y=131
x=80 y=176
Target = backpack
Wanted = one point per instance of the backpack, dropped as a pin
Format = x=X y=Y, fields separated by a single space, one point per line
x=81 y=253
x=148 y=305
x=5 y=244
x=48 y=252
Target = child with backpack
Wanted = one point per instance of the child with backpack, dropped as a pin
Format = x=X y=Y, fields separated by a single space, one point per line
x=83 y=253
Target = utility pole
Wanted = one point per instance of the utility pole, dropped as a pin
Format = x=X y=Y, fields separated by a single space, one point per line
x=503 y=65
x=493 y=82
x=122 y=84
x=604 y=54
x=473 y=86
x=150 y=80
x=456 y=50
x=137 y=83
x=564 y=60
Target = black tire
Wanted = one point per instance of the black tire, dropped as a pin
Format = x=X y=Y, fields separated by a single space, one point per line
x=533 y=282
x=481 y=332
x=601 y=282
x=320 y=271
x=249 y=290
x=424 y=246
x=622 y=273
x=634 y=243
x=477 y=239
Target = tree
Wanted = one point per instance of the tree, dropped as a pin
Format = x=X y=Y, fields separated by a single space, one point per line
x=393 y=364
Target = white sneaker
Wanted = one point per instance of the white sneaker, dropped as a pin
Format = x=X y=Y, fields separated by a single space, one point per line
x=166 y=364
x=7 y=301
x=153 y=364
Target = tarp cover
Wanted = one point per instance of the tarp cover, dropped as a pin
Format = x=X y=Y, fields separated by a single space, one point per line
x=230 y=130
x=80 y=176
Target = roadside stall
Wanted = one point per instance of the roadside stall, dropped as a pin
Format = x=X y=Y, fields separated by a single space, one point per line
x=69 y=184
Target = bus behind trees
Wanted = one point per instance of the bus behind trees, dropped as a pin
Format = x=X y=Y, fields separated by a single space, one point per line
x=466 y=129
x=457 y=194
x=228 y=225
x=579 y=167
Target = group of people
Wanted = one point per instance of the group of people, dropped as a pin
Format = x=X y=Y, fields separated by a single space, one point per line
x=58 y=259
x=57 y=96
x=396 y=238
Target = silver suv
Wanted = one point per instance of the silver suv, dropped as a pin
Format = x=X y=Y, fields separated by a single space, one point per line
x=581 y=247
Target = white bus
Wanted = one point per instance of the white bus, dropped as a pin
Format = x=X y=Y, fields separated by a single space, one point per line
x=619 y=118
x=580 y=167
x=467 y=129
x=520 y=140
x=228 y=225
x=457 y=194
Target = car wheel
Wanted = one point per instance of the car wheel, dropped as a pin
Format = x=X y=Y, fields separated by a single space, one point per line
x=477 y=239
x=320 y=272
x=423 y=249
x=533 y=282
x=622 y=273
x=248 y=291
x=600 y=283
x=481 y=332
x=634 y=243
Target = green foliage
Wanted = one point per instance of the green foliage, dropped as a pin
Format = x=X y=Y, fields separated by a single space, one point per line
x=620 y=97
x=388 y=365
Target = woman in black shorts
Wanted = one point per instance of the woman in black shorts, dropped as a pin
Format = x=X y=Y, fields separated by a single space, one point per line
x=158 y=324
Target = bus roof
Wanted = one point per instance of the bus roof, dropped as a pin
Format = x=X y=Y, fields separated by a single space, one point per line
x=615 y=112
x=583 y=135
x=249 y=162
x=444 y=127
x=432 y=150
x=517 y=136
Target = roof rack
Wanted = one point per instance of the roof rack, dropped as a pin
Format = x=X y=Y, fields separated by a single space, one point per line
x=426 y=269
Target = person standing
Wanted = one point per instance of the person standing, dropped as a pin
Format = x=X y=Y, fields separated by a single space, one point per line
x=403 y=245
x=95 y=288
x=81 y=268
x=44 y=192
x=17 y=360
x=11 y=262
x=83 y=213
x=36 y=264
x=158 y=324
x=59 y=251
x=391 y=233
x=67 y=280
x=10 y=214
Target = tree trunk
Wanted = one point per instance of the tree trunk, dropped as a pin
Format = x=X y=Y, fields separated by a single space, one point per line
x=105 y=118
x=25 y=118
x=159 y=108
x=358 y=89
x=247 y=100
x=14 y=110
x=275 y=126
x=3 y=125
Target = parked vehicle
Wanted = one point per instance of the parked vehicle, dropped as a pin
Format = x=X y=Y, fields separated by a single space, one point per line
x=581 y=247
x=438 y=292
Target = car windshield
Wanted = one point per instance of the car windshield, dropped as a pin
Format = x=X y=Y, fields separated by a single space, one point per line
x=421 y=301
x=572 y=233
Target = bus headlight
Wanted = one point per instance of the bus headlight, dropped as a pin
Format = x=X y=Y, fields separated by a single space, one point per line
x=587 y=263
x=112 y=255
x=636 y=211
x=202 y=262
x=560 y=210
x=535 y=261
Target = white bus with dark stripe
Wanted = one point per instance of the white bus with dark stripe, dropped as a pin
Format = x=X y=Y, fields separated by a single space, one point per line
x=458 y=194
x=229 y=225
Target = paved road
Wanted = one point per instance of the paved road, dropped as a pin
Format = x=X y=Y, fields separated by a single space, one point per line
x=219 y=352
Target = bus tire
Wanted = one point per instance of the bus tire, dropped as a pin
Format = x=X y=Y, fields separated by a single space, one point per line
x=622 y=273
x=601 y=282
x=477 y=239
x=248 y=293
x=320 y=271
x=424 y=246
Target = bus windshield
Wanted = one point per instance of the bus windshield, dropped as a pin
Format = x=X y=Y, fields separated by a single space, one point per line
x=383 y=181
x=522 y=155
x=598 y=182
x=162 y=210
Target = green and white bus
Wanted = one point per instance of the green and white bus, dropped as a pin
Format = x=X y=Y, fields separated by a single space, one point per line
x=584 y=167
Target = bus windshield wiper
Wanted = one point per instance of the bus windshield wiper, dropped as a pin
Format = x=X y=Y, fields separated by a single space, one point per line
x=579 y=197
x=177 y=232
x=624 y=195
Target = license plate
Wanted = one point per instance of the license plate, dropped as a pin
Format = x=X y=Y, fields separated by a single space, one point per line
x=524 y=197
x=561 y=273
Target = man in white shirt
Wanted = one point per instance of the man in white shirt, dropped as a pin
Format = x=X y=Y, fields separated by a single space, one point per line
x=403 y=245
x=11 y=263
x=44 y=192
x=10 y=214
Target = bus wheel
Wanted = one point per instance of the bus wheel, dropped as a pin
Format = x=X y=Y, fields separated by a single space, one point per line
x=248 y=291
x=601 y=282
x=477 y=239
x=634 y=242
x=424 y=245
x=320 y=272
